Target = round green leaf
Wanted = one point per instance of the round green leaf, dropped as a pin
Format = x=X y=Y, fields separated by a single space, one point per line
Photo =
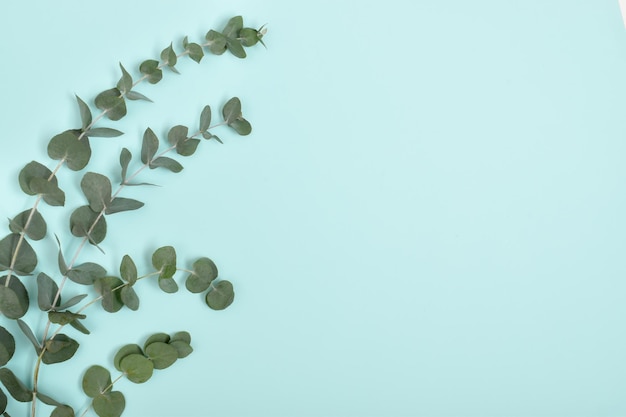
x=157 y=337
x=164 y=260
x=16 y=388
x=128 y=270
x=86 y=273
x=231 y=110
x=109 y=288
x=129 y=298
x=83 y=219
x=161 y=354
x=36 y=229
x=59 y=349
x=7 y=346
x=183 y=349
x=168 y=285
x=25 y=260
x=34 y=170
x=46 y=291
x=150 y=68
x=13 y=299
x=97 y=189
x=182 y=336
x=241 y=126
x=66 y=146
x=204 y=272
x=63 y=411
x=220 y=295
x=111 y=404
x=112 y=102
x=124 y=351
x=4 y=402
x=177 y=133
x=137 y=368
x=96 y=381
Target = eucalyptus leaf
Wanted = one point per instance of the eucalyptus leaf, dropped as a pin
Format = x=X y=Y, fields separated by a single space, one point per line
x=79 y=326
x=168 y=56
x=63 y=411
x=195 y=52
x=236 y=48
x=232 y=110
x=137 y=368
x=125 y=84
x=204 y=272
x=64 y=317
x=34 y=170
x=187 y=147
x=47 y=399
x=96 y=381
x=149 y=147
x=177 y=134
x=109 y=288
x=49 y=191
x=97 y=189
x=14 y=301
x=232 y=28
x=71 y=302
x=60 y=259
x=46 y=291
x=181 y=336
x=23 y=260
x=66 y=146
x=135 y=95
x=84 y=219
x=205 y=119
x=119 y=204
x=59 y=349
x=16 y=388
x=111 y=404
x=220 y=295
x=249 y=36
x=112 y=103
x=216 y=42
x=150 y=69
x=85 y=113
x=164 y=261
x=86 y=273
x=165 y=162
x=104 y=132
x=37 y=227
x=161 y=354
x=128 y=270
x=29 y=335
x=124 y=351
x=168 y=285
x=7 y=346
x=183 y=349
x=3 y=404
x=156 y=337
x=129 y=298
x=241 y=126
x=125 y=157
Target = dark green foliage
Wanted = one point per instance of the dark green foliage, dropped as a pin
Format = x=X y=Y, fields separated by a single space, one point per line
x=71 y=148
x=67 y=147
x=14 y=298
x=59 y=349
x=220 y=295
x=37 y=227
x=7 y=346
x=16 y=388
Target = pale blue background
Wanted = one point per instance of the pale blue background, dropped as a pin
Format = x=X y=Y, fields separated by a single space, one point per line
x=428 y=220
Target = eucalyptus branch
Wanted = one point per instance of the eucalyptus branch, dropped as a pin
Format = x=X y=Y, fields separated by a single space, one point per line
x=71 y=148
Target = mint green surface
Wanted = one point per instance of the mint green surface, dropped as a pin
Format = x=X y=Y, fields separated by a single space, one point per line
x=427 y=220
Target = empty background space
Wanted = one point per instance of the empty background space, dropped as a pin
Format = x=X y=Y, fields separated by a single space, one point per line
x=427 y=220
